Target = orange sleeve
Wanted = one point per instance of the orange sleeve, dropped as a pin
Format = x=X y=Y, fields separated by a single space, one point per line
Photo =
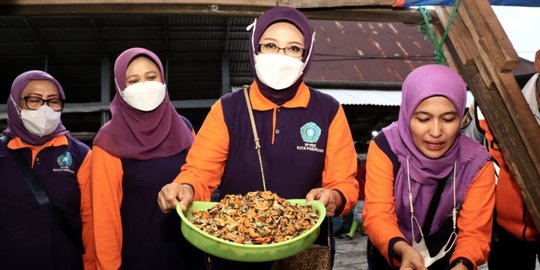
x=206 y=159
x=340 y=161
x=380 y=220
x=83 y=177
x=106 y=187
x=475 y=218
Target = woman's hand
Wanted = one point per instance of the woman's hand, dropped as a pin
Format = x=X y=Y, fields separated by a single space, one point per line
x=172 y=194
x=328 y=197
x=410 y=258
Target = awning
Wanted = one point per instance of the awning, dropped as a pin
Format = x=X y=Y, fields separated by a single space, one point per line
x=371 y=97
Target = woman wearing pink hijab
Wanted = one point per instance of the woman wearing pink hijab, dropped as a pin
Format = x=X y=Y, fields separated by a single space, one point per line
x=137 y=152
x=429 y=189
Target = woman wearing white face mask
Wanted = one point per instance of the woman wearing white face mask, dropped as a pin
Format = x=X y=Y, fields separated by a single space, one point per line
x=306 y=148
x=134 y=155
x=44 y=170
x=429 y=190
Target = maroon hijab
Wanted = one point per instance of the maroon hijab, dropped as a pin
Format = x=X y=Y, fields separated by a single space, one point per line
x=15 y=125
x=271 y=16
x=469 y=156
x=135 y=134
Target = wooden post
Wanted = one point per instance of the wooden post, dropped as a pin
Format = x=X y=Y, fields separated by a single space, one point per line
x=477 y=37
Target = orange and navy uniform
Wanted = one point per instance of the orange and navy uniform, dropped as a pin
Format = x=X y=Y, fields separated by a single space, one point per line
x=130 y=230
x=381 y=223
x=224 y=148
x=67 y=186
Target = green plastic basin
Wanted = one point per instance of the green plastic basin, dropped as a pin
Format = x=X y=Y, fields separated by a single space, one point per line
x=244 y=252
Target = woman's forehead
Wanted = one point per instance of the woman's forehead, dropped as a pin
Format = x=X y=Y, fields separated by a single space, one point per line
x=283 y=30
x=44 y=87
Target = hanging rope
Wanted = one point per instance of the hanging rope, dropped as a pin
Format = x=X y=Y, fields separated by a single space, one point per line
x=427 y=29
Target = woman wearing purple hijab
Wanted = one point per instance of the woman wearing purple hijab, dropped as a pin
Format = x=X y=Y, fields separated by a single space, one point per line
x=306 y=148
x=429 y=190
x=136 y=153
x=36 y=143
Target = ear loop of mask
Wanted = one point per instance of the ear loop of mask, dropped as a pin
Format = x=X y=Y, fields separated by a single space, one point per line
x=118 y=87
x=254 y=26
x=17 y=107
x=453 y=235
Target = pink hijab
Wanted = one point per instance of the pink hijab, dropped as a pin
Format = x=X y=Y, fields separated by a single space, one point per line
x=135 y=134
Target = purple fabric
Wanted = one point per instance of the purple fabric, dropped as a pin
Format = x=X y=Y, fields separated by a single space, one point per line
x=135 y=134
x=424 y=82
x=15 y=124
x=271 y=16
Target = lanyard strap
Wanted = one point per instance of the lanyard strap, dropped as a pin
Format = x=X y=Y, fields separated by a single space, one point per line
x=255 y=135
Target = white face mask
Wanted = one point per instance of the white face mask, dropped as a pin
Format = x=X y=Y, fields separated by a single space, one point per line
x=277 y=70
x=423 y=250
x=42 y=121
x=144 y=96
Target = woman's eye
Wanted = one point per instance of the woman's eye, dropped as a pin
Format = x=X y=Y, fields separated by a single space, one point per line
x=133 y=81
x=270 y=46
x=422 y=120
x=449 y=120
x=54 y=101
x=295 y=49
x=34 y=99
x=151 y=78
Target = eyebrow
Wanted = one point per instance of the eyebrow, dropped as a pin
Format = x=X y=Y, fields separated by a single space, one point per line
x=427 y=113
x=289 y=43
x=131 y=76
x=41 y=96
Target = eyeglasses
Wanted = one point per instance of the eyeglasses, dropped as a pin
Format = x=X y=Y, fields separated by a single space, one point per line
x=33 y=103
x=271 y=48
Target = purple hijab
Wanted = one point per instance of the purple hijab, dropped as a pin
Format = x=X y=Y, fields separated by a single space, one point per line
x=135 y=134
x=271 y=16
x=469 y=156
x=15 y=124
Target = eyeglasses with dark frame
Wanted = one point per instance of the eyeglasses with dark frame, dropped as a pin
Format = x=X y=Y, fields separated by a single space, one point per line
x=271 y=48
x=34 y=103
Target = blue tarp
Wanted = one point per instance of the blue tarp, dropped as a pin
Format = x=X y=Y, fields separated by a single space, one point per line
x=525 y=3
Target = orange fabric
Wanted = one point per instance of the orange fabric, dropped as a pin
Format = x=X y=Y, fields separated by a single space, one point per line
x=509 y=203
x=380 y=220
x=17 y=143
x=398 y=3
x=211 y=147
x=83 y=178
x=106 y=186
x=475 y=216
x=340 y=161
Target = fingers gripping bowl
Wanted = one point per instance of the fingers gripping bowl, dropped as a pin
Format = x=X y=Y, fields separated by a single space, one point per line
x=257 y=248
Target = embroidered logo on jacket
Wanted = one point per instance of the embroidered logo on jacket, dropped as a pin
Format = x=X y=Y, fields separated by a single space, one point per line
x=64 y=162
x=310 y=133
